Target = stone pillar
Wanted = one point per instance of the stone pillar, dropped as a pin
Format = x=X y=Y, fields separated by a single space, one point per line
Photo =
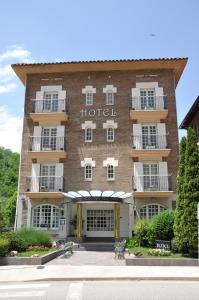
x=117 y=220
x=79 y=220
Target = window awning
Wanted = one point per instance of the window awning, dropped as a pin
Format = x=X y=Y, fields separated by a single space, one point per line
x=97 y=196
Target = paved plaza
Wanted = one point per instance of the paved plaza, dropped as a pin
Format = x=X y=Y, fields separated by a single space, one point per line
x=79 y=258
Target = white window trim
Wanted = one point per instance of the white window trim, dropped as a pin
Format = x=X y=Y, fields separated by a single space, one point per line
x=85 y=135
x=147 y=208
x=87 y=102
x=88 y=161
x=107 y=93
x=88 y=89
x=112 y=90
x=51 y=217
x=85 y=178
x=107 y=170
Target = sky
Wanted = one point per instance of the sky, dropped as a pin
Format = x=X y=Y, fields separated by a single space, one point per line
x=68 y=30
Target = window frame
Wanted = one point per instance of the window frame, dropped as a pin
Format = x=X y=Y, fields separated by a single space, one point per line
x=112 y=178
x=107 y=98
x=108 y=136
x=38 y=215
x=145 y=207
x=89 y=98
x=91 y=135
x=86 y=178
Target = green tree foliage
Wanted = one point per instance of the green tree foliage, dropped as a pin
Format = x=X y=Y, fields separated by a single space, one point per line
x=162 y=225
x=9 y=168
x=179 y=220
x=191 y=193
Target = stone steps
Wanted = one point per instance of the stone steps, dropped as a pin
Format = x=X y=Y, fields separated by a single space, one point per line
x=96 y=247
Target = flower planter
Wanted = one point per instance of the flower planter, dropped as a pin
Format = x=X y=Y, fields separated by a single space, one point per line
x=140 y=261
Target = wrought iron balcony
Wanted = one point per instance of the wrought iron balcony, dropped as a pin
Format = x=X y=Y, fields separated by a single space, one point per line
x=152 y=183
x=46 y=143
x=149 y=103
x=44 y=184
x=150 y=142
x=49 y=106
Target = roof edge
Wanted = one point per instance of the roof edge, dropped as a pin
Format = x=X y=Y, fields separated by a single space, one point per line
x=185 y=123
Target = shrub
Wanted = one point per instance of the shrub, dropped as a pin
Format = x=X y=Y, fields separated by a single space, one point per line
x=131 y=243
x=159 y=252
x=142 y=230
x=35 y=238
x=162 y=225
x=4 y=246
x=174 y=246
x=17 y=243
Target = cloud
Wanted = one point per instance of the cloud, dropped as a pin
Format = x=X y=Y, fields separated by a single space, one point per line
x=17 y=52
x=10 y=130
x=7 y=87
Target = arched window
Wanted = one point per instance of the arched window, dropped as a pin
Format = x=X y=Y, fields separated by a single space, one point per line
x=88 y=134
x=150 y=210
x=88 y=172
x=46 y=216
x=110 y=134
x=110 y=172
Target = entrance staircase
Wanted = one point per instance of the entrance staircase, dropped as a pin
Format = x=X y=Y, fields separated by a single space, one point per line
x=96 y=244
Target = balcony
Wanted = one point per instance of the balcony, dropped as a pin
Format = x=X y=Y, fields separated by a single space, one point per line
x=152 y=186
x=148 y=108
x=47 y=147
x=44 y=187
x=49 y=110
x=148 y=146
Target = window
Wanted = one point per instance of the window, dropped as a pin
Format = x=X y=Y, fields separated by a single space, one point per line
x=110 y=134
x=110 y=172
x=49 y=139
x=47 y=179
x=88 y=172
x=109 y=98
x=100 y=220
x=151 y=179
x=89 y=98
x=88 y=135
x=46 y=216
x=149 y=136
x=147 y=98
x=50 y=102
x=150 y=210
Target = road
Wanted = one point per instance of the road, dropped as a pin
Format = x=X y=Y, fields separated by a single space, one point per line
x=107 y=290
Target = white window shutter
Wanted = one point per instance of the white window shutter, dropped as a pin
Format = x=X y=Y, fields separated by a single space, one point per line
x=138 y=176
x=36 y=142
x=136 y=98
x=163 y=176
x=137 y=136
x=62 y=101
x=35 y=178
x=162 y=139
x=160 y=99
x=39 y=104
x=59 y=172
x=60 y=137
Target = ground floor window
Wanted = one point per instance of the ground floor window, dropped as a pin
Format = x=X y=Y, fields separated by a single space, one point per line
x=46 y=216
x=150 y=210
x=100 y=220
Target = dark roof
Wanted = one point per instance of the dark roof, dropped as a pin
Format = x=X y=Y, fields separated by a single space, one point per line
x=190 y=115
x=99 y=61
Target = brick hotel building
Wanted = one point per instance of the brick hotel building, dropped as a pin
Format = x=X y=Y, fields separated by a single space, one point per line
x=99 y=147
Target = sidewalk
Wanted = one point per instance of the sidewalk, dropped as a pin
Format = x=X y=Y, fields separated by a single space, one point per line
x=76 y=273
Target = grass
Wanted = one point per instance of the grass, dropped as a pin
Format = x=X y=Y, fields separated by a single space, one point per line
x=144 y=251
x=38 y=252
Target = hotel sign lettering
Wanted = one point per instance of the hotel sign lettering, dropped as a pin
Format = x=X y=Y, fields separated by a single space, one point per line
x=106 y=112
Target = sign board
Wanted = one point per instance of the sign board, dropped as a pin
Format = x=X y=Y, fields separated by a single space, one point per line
x=166 y=245
x=62 y=221
x=198 y=211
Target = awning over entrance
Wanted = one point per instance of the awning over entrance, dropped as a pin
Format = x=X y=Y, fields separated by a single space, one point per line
x=97 y=196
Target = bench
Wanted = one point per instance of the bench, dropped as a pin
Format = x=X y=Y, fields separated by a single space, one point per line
x=119 y=249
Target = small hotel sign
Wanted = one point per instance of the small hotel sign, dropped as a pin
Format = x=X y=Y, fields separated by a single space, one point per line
x=106 y=112
x=166 y=245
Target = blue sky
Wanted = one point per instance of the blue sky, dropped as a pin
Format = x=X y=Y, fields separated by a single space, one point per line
x=41 y=30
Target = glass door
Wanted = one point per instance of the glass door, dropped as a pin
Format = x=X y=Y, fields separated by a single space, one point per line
x=50 y=103
x=47 y=182
x=49 y=139
x=147 y=98
x=149 y=137
x=150 y=177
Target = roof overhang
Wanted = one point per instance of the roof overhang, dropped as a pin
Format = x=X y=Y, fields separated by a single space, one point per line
x=176 y=64
x=95 y=196
x=190 y=115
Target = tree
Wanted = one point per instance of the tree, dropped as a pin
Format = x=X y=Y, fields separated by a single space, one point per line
x=191 y=192
x=10 y=209
x=179 y=219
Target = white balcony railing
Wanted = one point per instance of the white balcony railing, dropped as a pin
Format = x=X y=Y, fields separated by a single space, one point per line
x=152 y=183
x=44 y=184
x=150 y=142
x=149 y=103
x=48 y=106
x=47 y=143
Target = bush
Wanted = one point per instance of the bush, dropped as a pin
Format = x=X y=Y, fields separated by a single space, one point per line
x=162 y=225
x=17 y=243
x=131 y=243
x=159 y=252
x=142 y=231
x=35 y=238
x=4 y=246
x=174 y=246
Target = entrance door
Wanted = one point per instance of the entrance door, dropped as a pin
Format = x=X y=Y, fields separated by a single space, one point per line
x=100 y=223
